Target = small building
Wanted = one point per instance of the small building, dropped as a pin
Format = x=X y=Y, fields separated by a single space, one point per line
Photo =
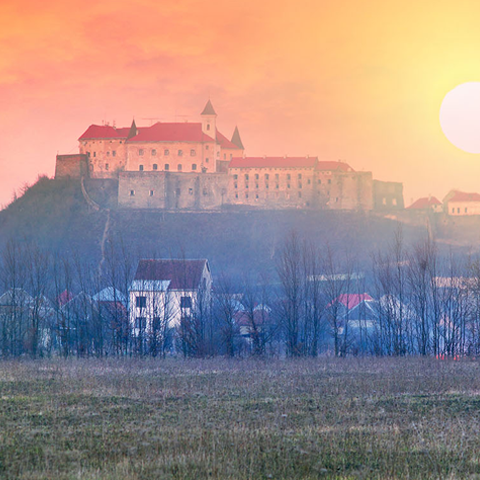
x=387 y=196
x=458 y=203
x=165 y=291
x=427 y=204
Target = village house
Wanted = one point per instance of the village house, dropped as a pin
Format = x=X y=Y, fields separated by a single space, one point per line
x=427 y=204
x=164 y=292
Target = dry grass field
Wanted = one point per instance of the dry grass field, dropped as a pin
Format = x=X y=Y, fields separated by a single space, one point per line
x=325 y=418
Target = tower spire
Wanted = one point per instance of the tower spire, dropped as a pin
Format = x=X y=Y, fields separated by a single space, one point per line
x=208 y=110
x=236 y=140
x=133 y=130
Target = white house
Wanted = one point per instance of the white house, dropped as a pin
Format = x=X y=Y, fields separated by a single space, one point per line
x=165 y=291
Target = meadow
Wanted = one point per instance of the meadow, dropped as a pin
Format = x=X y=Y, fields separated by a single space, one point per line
x=240 y=419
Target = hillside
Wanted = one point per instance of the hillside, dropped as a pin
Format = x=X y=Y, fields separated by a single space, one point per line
x=55 y=214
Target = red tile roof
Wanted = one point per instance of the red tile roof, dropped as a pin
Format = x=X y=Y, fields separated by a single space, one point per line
x=183 y=274
x=225 y=142
x=273 y=162
x=424 y=203
x=351 y=300
x=172 y=132
x=102 y=131
x=464 y=197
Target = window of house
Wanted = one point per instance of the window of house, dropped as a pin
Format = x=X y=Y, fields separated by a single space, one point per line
x=266 y=185
x=458 y=210
x=140 y=167
x=206 y=147
x=299 y=184
x=236 y=195
x=179 y=167
x=246 y=195
x=140 y=323
x=208 y=126
x=288 y=185
x=190 y=191
x=453 y=210
x=276 y=176
x=88 y=154
x=167 y=166
x=155 y=166
x=151 y=193
x=180 y=153
x=114 y=153
x=166 y=151
x=235 y=185
x=256 y=185
x=132 y=193
x=288 y=176
x=206 y=160
x=256 y=196
x=107 y=166
x=276 y=185
x=465 y=209
x=194 y=166
x=267 y=176
x=141 y=302
x=94 y=154
x=235 y=177
x=246 y=176
x=108 y=154
x=154 y=152
x=256 y=176
x=156 y=324
x=193 y=152
x=140 y=151
x=186 y=302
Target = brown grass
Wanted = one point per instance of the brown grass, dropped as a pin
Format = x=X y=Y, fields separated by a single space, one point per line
x=326 y=418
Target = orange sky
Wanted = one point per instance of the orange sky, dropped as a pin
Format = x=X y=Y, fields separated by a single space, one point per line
x=355 y=80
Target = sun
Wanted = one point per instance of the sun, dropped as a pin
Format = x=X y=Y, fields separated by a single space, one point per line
x=460 y=116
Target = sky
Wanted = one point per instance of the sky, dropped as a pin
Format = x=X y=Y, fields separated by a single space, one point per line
x=359 y=81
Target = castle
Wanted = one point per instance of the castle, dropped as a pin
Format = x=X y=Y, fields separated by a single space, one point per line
x=193 y=166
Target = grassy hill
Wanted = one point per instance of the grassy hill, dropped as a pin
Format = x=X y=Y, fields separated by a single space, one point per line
x=55 y=214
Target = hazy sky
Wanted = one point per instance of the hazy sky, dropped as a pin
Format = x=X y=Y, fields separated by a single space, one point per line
x=360 y=81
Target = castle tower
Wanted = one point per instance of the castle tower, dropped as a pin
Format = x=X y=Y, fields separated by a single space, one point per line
x=209 y=120
x=236 y=140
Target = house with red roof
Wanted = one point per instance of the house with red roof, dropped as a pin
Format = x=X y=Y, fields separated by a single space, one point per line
x=164 y=292
x=457 y=203
x=427 y=204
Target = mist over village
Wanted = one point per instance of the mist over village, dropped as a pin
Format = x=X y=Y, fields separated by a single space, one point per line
x=243 y=240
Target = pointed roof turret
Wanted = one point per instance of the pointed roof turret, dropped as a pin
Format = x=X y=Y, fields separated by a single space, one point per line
x=236 y=139
x=133 y=131
x=208 y=110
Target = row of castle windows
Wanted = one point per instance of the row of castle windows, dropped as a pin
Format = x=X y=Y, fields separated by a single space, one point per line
x=167 y=167
x=114 y=154
x=277 y=177
x=151 y=193
x=268 y=186
x=166 y=152
x=287 y=195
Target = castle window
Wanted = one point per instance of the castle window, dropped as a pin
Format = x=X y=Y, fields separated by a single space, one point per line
x=235 y=185
x=458 y=210
x=319 y=182
x=166 y=151
x=154 y=152
x=267 y=176
x=206 y=147
x=256 y=196
x=453 y=210
x=329 y=181
x=132 y=193
x=308 y=181
x=266 y=185
x=299 y=176
x=465 y=209
x=151 y=193
x=107 y=166
x=276 y=176
x=208 y=126
x=336 y=199
x=276 y=186
x=179 y=167
x=256 y=176
x=235 y=177
x=167 y=166
x=140 y=167
x=299 y=184
x=140 y=151
x=88 y=154
x=236 y=195
x=288 y=185
x=246 y=195
x=246 y=185
x=206 y=160
x=108 y=154
x=140 y=323
x=194 y=166
x=190 y=191
x=256 y=185
x=155 y=166
x=114 y=153
x=192 y=152
x=246 y=176
x=288 y=176
x=94 y=154
x=180 y=153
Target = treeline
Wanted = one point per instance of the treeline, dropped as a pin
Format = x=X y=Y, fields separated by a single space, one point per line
x=412 y=301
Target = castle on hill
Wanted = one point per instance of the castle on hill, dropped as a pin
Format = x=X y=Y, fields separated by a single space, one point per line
x=193 y=166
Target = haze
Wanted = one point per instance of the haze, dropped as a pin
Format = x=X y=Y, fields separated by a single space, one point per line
x=357 y=81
